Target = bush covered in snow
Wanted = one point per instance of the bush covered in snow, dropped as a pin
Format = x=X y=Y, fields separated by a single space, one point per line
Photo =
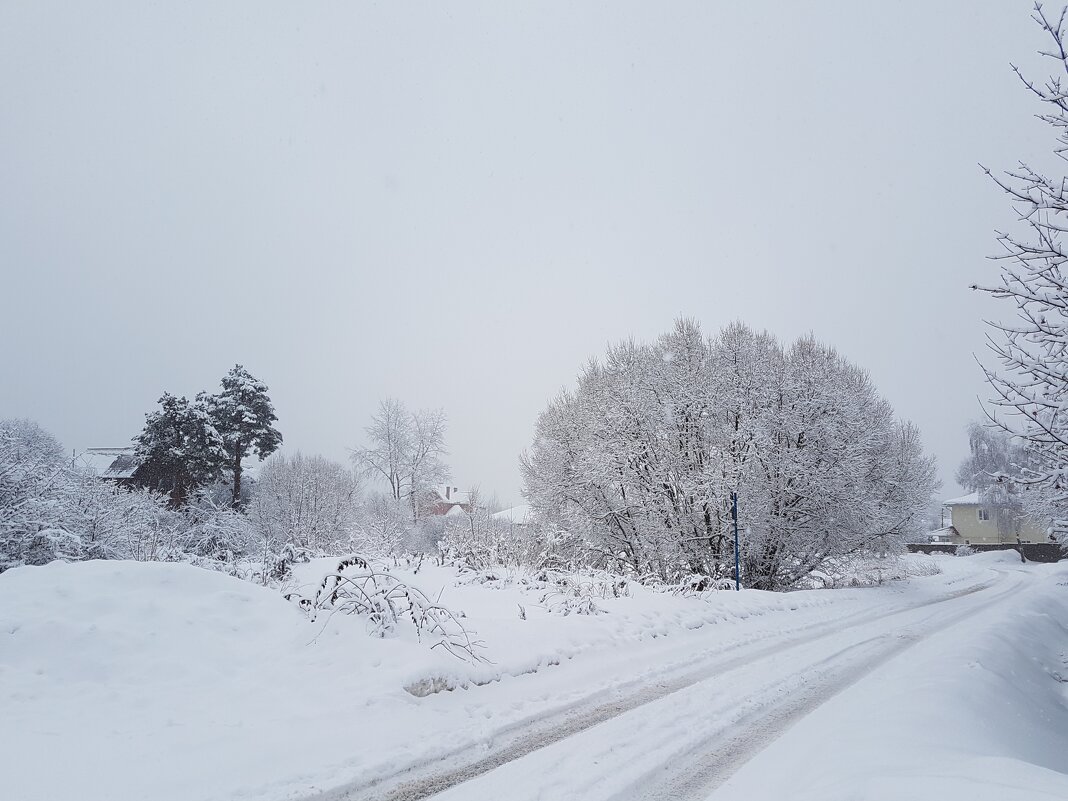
x=307 y=503
x=484 y=541
x=867 y=569
x=360 y=587
x=51 y=508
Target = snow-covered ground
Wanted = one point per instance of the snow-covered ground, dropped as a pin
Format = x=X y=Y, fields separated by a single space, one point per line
x=140 y=681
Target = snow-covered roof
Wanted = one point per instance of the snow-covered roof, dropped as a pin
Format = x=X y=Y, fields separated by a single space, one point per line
x=455 y=510
x=519 y=515
x=119 y=463
x=112 y=463
x=971 y=499
x=452 y=494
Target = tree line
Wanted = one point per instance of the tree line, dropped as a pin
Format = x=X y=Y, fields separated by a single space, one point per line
x=187 y=499
x=633 y=471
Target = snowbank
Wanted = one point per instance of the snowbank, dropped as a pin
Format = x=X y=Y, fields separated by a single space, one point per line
x=161 y=681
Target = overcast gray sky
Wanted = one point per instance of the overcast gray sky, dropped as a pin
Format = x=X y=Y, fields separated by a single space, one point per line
x=458 y=204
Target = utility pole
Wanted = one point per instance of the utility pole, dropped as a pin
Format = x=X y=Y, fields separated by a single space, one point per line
x=734 y=517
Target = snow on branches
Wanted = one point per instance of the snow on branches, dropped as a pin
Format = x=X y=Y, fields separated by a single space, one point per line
x=244 y=417
x=406 y=451
x=642 y=457
x=307 y=502
x=179 y=449
x=187 y=445
x=1030 y=390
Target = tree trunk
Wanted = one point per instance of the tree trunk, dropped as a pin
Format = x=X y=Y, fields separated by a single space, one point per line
x=177 y=495
x=237 y=479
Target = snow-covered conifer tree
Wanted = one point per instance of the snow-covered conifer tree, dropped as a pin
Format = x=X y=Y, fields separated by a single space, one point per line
x=244 y=417
x=179 y=449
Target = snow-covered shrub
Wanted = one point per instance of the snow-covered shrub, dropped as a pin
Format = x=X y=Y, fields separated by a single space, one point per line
x=424 y=537
x=481 y=541
x=922 y=566
x=559 y=592
x=384 y=525
x=289 y=556
x=865 y=569
x=215 y=531
x=564 y=604
x=574 y=593
x=358 y=586
x=307 y=502
x=964 y=550
x=697 y=585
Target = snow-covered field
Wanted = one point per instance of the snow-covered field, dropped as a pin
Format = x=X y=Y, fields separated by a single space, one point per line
x=123 y=680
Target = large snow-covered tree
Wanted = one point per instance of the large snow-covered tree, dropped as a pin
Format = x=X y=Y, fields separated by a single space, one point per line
x=179 y=449
x=1030 y=383
x=642 y=458
x=244 y=417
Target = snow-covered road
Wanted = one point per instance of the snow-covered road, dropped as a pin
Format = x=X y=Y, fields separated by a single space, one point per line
x=679 y=736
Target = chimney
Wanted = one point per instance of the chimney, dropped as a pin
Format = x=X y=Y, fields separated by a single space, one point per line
x=447 y=492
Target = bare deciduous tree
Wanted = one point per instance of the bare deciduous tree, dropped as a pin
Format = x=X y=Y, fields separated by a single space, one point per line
x=1030 y=389
x=406 y=451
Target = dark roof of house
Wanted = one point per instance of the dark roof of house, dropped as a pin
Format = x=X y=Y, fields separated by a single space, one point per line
x=112 y=463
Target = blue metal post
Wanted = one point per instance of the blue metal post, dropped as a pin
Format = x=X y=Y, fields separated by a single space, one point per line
x=734 y=516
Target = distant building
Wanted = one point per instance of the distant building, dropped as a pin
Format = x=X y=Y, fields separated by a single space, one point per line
x=516 y=516
x=443 y=500
x=119 y=465
x=113 y=464
x=976 y=522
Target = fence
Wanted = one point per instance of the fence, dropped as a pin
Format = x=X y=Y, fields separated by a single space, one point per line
x=1032 y=552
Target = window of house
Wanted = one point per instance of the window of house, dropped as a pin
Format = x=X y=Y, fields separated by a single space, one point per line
x=984 y=514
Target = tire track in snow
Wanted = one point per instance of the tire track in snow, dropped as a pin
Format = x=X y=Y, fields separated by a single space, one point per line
x=423 y=779
x=712 y=762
